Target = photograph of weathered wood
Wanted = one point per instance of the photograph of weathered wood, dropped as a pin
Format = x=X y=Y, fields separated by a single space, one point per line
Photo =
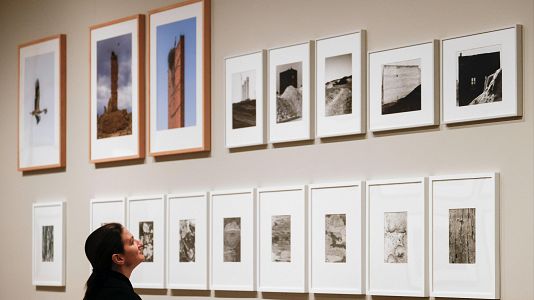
x=232 y=239
x=281 y=238
x=462 y=236
x=396 y=237
x=47 y=252
x=401 y=87
x=289 y=92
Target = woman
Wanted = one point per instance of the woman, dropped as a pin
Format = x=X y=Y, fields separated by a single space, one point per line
x=113 y=253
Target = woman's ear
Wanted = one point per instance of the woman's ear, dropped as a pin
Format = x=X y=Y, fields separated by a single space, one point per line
x=117 y=259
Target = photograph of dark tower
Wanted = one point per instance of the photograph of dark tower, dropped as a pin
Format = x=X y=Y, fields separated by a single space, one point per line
x=289 y=92
x=37 y=104
x=401 y=87
x=243 y=99
x=176 y=97
x=479 y=77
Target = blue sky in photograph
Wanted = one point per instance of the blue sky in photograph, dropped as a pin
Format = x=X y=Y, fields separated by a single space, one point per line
x=166 y=36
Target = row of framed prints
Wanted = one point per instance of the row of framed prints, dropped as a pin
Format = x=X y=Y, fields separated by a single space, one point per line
x=408 y=237
x=481 y=78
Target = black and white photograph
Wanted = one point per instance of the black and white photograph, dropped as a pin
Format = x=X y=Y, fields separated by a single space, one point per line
x=396 y=237
x=232 y=240
x=48 y=244
x=244 y=99
x=401 y=87
x=289 y=92
x=281 y=238
x=187 y=240
x=146 y=236
x=338 y=85
x=336 y=238
x=462 y=236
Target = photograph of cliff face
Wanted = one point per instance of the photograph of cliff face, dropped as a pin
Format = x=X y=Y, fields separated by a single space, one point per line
x=232 y=239
x=396 y=237
x=335 y=238
x=114 y=86
x=401 y=87
x=289 y=92
x=462 y=236
x=47 y=253
x=187 y=240
x=281 y=238
x=244 y=99
x=338 y=85
x=479 y=77
x=146 y=237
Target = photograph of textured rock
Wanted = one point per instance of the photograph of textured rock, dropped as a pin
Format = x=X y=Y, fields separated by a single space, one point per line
x=114 y=86
x=187 y=240
x=47 y=252
x=244 y=99
x=479 y=77
x=335 y=238
x=338 y=85
x=146 y=237
x=396 y=237
x=401 y=87
x=462 y=236
x=289 y=92
x=281 y=238
x=232 y=239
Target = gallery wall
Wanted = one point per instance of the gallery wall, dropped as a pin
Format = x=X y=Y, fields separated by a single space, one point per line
x=241 y=26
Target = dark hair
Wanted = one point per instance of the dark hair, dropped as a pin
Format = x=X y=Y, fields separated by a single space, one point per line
x=99 y=248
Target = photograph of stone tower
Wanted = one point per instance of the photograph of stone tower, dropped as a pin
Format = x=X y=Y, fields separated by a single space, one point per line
x=289 y=92
x=176 y=85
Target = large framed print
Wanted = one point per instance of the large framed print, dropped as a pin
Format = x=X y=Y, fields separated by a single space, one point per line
x=282 y=240
x=188 y=235
x=117 y=97
x=245 y=105
x=337 y=238
x=397 y=237
x=48 y=236
x=180 y=78
x=104 y=211
x=289 y=93
x=340 y=95
x=403 y=87
x=465 y=236
x=482 y=76
x=233 y=240
x=146 y=222
x=41 y=104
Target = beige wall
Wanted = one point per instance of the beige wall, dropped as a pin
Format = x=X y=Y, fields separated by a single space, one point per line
x=240 y=26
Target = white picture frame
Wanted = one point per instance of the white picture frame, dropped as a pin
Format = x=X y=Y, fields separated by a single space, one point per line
x=292 y=121
x=245 y=99
x=396 y=101
x=188 y=266
x=48 y=243
x=233 y=240
x=332 y=271
x=397 y=237
x=103 y=211
x=461 y=100
x=282 y=216
x=474 y=273
x=336 y=59
x=146 y=222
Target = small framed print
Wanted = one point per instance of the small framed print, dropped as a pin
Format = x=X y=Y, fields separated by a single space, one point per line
x=104 y=211
x=233 y=242
x=146 y=222
x=397 y=237
x=465 y=236
x=117 y=123
x=245 y=106
x=188 y=235
x=41 y=104
x=282 y=240
x=340 y=63
x=482 y=76
x=179 y=68
x=48 y=235
x=289 y=93
x=337 y=218
x=403 y=87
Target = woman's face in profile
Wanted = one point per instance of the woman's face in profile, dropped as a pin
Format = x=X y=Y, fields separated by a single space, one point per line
x=133 y=249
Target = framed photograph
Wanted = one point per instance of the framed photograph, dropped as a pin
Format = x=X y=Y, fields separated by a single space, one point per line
x=117 y=100
x=48 y=236
x=340 y=66
x=289 y=93
x=403 y=87
x=465 y=236
x=282 y=240
x=233 y=240
x=337 y=238
x=180 y=78
x=41 y=104
x=245 y=105
x=146 y=221
x=397 y=237
x=482 y=76
x=104 y=211
x=188 y=235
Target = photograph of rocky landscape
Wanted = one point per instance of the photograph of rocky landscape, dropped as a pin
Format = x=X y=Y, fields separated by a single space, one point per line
x=281 y=238
x=336 y=238
x=289 y=92
x=244 y=99
x=401 y=87
x=338 y=85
